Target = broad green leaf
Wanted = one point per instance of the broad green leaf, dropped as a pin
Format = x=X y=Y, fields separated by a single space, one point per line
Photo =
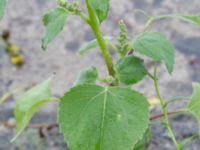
x=93 y=44
x=2 y=8
x=101 y=7
x=92 y=117
x=130 y=70
x=29 y=103
x=54 y=21
x=194 y=104
x=87 y=76
x=188 y=18
x=156 y=46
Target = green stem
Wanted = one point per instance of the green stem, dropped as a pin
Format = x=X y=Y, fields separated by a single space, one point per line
x=164 y=109
x=84 y=17
x=148 y=23
x=95 y=25
x=150 y=75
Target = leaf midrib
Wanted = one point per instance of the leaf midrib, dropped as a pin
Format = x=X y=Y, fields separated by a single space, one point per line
x=80 y=119
x=103 y=117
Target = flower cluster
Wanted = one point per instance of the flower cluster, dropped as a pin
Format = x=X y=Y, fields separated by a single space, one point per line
x=71 y=7
x=122 y=44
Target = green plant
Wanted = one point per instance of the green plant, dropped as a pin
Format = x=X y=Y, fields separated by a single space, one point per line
x=108 y=115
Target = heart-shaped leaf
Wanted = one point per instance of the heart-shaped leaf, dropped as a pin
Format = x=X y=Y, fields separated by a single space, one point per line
x=130 y=70
x=156 y=46
x=103 y=118
x=54 y=21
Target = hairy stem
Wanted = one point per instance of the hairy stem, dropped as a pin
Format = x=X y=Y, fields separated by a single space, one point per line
x=95 y=25
x=164 y=109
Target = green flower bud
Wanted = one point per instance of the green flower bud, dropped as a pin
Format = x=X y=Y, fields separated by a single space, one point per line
x=71 y=7
x=62 y=3
x=122 y=44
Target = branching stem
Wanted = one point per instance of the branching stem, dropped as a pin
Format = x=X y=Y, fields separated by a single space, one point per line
x=164 y=109
x=84 y=17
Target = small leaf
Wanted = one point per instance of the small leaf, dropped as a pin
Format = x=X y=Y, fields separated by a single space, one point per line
x=92 y=117
x=156 y=46
x=2 y=8
x=130 y=70
x=188 y=18
x=54 y=21
x=29 y=103
x=93 y=44
x=101 y=7
x=87 y=76
x=194 y=103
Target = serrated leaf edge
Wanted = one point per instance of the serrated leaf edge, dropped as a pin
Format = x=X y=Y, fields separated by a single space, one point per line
x=106 y=88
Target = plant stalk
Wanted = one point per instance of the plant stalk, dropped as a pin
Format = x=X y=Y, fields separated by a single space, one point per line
x=95 y=25
x=164 y=109
x=148 y=23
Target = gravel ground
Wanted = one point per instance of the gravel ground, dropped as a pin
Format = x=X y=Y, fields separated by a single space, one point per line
x=23 y=18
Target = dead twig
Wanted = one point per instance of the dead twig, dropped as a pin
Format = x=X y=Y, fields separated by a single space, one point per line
x=33 y=126
x=10 y=124
x=168 y=113
x=161 y=115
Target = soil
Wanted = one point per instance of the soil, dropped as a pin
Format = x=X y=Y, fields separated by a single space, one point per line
x=23 y=19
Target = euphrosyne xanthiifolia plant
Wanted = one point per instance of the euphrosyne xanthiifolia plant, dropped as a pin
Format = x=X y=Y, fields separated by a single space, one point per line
x=108 y=115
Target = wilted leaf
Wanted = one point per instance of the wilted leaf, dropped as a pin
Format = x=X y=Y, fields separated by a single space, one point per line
x=29 y=103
